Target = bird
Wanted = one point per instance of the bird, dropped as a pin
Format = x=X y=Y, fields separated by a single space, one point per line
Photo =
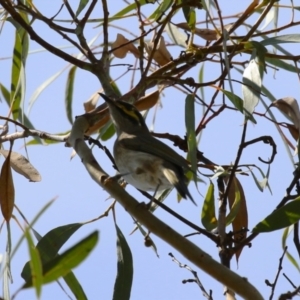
x=142 y=160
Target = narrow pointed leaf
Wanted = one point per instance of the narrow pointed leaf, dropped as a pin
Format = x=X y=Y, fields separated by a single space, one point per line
x=288 y=254
x=7 y=190
x=190 y=133
x=50 y=244
x=63 y=264
x=208 y=214
x=35 y=265
x=280 y=39
x=280 y=218
x=20 y=53
x=75 y=286
x=69 y=93
x=237 y=102
x=238 y=212
x=123 y=283
x=81 y=6
x=251 y=87
x=22 y=166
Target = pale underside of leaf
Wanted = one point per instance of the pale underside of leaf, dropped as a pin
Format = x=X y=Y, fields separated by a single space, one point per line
x=22 y=166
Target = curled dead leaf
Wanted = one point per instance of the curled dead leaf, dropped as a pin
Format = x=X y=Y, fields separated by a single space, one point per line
x=289 y=106
x=161 y=54
x=147 y=101
x=22 y=166
x=121 y=51
x=7 y=190
x=293 y=131
x=91 y=103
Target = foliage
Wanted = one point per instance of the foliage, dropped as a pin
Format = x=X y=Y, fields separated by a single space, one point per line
x=243 y=54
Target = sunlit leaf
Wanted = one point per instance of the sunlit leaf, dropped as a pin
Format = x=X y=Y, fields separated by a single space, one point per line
x=50 y=244
x=208 y=214
x=161 y=9
x=251 y=88
x=280 y=218
x=63 y=264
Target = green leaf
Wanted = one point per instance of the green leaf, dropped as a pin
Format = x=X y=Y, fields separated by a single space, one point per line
x=75 y=286
x=236 y=100
x=131 y=7
x=81 y=6
x=208 y=214
x=20 y=52
x=281 y=64
x=107 y=131
x=192 y=19
x=69 y=93
x=281 y=39
x=283 y=243
x=161 y=9
x=123 y=283
x=48 y=247
x=50 y=244
x=283 y=217
x=235 y=206
x=35 y=265
x=261 y=184
x=63 y=264
x=190 y=133
x=259 y=52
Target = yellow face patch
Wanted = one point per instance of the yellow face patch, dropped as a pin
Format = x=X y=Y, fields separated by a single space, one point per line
x=129 y=110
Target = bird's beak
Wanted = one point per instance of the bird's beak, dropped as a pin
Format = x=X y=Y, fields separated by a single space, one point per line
x=107 y=99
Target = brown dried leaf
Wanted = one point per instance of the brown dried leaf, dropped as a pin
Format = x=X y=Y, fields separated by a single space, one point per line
x=289 y=106
x=241 y=219
x=91 y=103
x=122 y=51
x=22 y=166
x=293 y=131
x=7 y=190
x=205 y=33
x=147 y=101
x=161 y=55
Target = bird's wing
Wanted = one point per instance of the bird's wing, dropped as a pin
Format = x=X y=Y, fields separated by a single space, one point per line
x=145 y=144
